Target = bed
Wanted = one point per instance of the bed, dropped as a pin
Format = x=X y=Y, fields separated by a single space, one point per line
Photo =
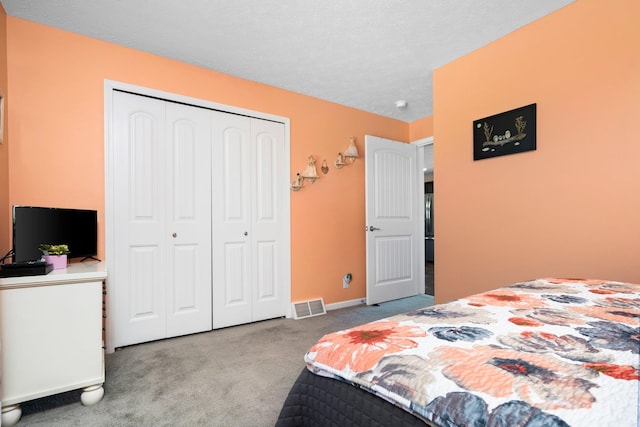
x=546 y=352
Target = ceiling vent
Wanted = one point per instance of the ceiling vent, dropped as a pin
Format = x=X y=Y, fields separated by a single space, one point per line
x=314 y=307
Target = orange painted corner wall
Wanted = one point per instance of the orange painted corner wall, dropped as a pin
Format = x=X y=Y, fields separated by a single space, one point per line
x=421 y=128
x=57 y=138
x=571 y=207
x=5 y=217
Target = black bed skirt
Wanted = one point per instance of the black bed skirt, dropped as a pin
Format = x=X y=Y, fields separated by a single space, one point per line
x=319 y=401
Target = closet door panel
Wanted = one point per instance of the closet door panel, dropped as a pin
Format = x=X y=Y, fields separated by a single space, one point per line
x=235 y=173
x=235 y=262
x=232 y=228
x=186 y=296
x=188 y=225
x=266 y=163
x=139 y=200
x=145 y=303
x=268 y=184
x=266 y=276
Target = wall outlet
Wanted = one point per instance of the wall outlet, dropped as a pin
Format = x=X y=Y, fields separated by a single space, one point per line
x=346 y=279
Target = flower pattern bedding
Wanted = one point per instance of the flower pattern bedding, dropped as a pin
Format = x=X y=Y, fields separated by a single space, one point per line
x=547 y=352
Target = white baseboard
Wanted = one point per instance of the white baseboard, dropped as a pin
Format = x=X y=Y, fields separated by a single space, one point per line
x=360 y=301
x=345 y=304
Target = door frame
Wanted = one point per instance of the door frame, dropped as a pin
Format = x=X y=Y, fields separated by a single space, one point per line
x=109 y=161
x=420 y=144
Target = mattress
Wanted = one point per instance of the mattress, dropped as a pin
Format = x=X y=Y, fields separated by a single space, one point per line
x=320 y=401
x=546 y=352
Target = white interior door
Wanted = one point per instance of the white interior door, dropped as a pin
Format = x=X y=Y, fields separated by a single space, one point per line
x=160 y=279
x=269 y=221
x=249 y=260
x=160 y=181
x=392 y=215
x=232 y=231
x=188 y=219
x=137 y=281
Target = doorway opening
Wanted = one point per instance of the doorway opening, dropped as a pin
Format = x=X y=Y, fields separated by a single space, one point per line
x=428 y=278
x=429 y=235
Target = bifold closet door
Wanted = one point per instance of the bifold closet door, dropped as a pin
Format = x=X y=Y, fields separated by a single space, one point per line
x=270 y=181
x=161 y=281
x=248 y=206
x=188 y=229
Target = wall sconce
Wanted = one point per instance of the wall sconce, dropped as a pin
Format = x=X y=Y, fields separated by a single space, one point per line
x=297 y=183
x=309 y=174
x=350 y=154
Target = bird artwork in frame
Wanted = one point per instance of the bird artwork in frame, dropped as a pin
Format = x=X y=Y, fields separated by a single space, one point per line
x=511 y=132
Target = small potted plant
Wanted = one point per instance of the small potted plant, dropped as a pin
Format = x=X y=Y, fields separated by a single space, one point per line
x=55 y=255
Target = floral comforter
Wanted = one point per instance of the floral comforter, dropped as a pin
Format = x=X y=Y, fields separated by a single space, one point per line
x=548 y=352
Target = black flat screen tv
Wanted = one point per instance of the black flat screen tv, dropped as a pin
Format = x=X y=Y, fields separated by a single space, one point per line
x=34 y=225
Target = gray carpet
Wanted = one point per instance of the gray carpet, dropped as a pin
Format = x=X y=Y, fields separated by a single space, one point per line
x=237 y=376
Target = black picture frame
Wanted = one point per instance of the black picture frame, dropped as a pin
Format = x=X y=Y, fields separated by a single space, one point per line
x=511 y=132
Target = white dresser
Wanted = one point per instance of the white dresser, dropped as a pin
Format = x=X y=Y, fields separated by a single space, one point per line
x=51 y=335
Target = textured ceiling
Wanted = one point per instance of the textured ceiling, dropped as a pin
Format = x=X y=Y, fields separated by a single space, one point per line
x=365 y=54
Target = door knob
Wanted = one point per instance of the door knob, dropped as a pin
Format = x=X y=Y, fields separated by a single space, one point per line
x=372 y=228
x=174 y=235
x=246 y=234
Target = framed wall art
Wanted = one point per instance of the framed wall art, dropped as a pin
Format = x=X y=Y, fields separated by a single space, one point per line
x=510 y=132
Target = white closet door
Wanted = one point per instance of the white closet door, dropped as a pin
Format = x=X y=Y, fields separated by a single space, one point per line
x=161 y=280
x=248 y=205
x=138 y=279
x=269 y=182
x=188 y=231
x=232 y=231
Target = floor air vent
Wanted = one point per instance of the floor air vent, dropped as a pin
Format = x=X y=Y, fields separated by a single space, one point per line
x=314 y=307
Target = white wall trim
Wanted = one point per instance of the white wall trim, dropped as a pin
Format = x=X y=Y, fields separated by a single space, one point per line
x=360 y=301
x=109 y=87
x=344 y=304
x=423 y=141
x=142 y=90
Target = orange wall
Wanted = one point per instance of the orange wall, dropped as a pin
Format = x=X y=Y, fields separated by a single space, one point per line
x=5 y=217
x=57 y=139
x=572 y=207
x=421 y=128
